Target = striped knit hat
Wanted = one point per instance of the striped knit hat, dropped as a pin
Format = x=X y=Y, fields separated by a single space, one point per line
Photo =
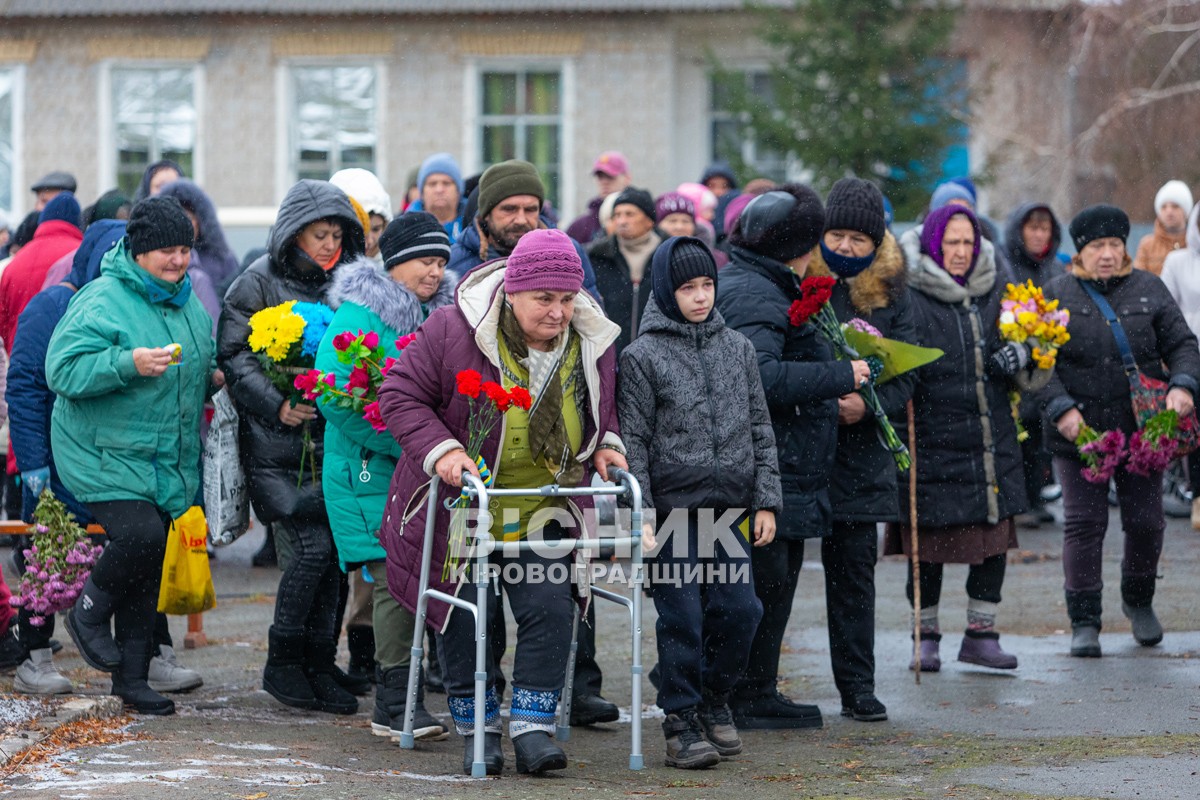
x=416 y=234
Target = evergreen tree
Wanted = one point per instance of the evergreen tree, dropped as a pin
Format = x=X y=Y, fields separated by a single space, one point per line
x=858 y=87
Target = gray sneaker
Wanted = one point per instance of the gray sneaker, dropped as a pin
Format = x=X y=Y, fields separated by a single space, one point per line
x=686 y=746
x=39 y=676
x=168 y=675
x=716 y=719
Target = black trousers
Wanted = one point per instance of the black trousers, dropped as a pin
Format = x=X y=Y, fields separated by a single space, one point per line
x=776 y=569
x=1038 y=463
x=849 y=557
x=307 y=600
x=130 y=568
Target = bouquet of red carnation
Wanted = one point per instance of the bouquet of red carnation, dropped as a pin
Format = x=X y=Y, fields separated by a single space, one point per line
x=858 y=339
x=369 y=365
x=489 y=401
x=1101 y=453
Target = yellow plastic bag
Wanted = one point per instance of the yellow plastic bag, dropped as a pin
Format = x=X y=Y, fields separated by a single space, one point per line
x=187 y=586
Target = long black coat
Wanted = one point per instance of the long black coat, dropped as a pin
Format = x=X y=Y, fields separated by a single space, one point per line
x=273 y=453
x=1089 y=375
x=863 y=485
x=801 y=380
x=968 y=460
x=623 y=302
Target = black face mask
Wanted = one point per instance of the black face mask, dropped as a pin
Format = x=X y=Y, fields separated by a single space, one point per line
x=845 y=266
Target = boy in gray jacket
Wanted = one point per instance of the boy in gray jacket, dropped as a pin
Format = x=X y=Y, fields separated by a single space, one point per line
x=695 y=421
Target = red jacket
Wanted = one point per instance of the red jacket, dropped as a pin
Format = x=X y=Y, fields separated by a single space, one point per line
x=25 y=274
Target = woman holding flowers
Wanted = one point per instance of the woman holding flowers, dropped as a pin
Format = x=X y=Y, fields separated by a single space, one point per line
x=126 y=431
x=521 y=336
x=316 y=231
x=375 y=308
x=1092 y=391
x=968 y=462
x=857 y=249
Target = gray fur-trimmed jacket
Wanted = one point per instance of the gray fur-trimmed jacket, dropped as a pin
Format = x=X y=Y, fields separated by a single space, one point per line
x=694 y=417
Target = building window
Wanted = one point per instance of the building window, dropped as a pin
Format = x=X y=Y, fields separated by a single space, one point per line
x=733 y=138
x=9 y=88
x=333 y=120
x=154 y=117
x=521 y=117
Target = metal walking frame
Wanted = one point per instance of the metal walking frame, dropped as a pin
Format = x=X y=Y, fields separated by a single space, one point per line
x=476 y=490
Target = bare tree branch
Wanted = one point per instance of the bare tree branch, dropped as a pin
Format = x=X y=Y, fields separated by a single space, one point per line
x=1180 y=51
x=1128 y=101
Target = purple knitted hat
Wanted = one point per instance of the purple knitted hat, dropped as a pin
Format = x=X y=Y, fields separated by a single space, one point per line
x=544 y=260
x=935 y=230
x=673 y=203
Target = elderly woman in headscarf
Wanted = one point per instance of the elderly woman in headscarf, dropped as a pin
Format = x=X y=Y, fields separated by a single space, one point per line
x=969 y=479
x=523 y=323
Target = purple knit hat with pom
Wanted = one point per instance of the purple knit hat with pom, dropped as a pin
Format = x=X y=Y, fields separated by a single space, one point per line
x=935 y=229
x=544 y=261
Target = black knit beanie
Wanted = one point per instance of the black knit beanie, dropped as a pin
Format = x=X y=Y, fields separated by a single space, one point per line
x=416 y=234
x=856 y=205
x=1099 y=222
x=782 y=224
x=675 y=262
x=508 y=179
x=156 y=223
x=639 y=198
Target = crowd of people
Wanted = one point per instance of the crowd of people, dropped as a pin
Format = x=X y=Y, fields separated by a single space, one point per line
x=655 y=335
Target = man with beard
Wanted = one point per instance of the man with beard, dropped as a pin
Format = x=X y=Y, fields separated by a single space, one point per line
x=510 y=197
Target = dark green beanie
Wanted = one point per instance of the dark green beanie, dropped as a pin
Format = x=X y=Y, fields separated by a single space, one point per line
x=506 y=179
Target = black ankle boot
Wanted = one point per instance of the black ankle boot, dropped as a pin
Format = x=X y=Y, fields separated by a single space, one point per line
x=388 y=718
x=1084 y=609
x=537 y=752
x=283 y=676
x=321 y=672
x=493 y=756
x=129 y=680
x=1137 y=603
x=89 y=622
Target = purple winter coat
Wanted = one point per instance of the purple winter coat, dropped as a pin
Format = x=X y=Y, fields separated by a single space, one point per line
x=425 y=413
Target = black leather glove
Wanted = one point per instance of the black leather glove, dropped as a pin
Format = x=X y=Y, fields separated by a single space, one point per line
x=1010 y=359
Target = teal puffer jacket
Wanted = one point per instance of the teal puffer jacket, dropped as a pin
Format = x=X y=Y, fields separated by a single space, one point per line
x=117 y=435
x=358 y=462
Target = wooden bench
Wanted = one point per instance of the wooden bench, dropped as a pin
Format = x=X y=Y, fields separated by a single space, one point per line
x=194 y=637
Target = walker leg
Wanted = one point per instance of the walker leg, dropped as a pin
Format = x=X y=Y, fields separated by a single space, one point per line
x=563 y=731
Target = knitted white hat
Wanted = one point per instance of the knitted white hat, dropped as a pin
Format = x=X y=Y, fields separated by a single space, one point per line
x=366 y=189
x=1176 y=192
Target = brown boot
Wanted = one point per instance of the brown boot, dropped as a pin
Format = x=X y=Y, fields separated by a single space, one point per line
x=686 y=746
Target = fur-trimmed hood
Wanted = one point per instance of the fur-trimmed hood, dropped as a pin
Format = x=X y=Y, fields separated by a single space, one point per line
x=927 y=277
x=363 y=282
x=879 y=285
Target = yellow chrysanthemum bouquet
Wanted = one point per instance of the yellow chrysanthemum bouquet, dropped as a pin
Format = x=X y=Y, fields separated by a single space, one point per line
x=285 y=339
x=1028 y=318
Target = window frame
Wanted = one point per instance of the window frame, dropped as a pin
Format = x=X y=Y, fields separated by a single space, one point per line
x=791 y=169
x=287 y=167
x=18 y=189
x=107 y=161
x=474 y=118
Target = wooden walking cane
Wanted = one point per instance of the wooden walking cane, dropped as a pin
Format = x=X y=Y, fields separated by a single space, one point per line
x=912 y=524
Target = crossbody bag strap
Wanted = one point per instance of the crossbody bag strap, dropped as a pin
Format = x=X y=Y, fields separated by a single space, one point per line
x=1114 y=325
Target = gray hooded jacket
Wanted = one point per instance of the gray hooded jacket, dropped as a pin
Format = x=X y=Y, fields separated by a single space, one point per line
x=694 y=417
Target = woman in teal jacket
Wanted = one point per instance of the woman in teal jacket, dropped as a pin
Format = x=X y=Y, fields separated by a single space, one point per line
x=126 y=430
x=359 y=461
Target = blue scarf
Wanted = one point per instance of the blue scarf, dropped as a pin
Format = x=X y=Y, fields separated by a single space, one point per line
x=172 y=294
x=845 y=266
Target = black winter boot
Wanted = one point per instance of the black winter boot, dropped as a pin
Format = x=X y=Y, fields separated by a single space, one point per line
x=321 y=671
x=388 y=717
x=129 y=680
x=1084 y=609
x=90 y=624
x=361 y=640
x=283 y=676
x=1137 y=598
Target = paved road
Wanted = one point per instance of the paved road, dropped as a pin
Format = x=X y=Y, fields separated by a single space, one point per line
x=1124 y=726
